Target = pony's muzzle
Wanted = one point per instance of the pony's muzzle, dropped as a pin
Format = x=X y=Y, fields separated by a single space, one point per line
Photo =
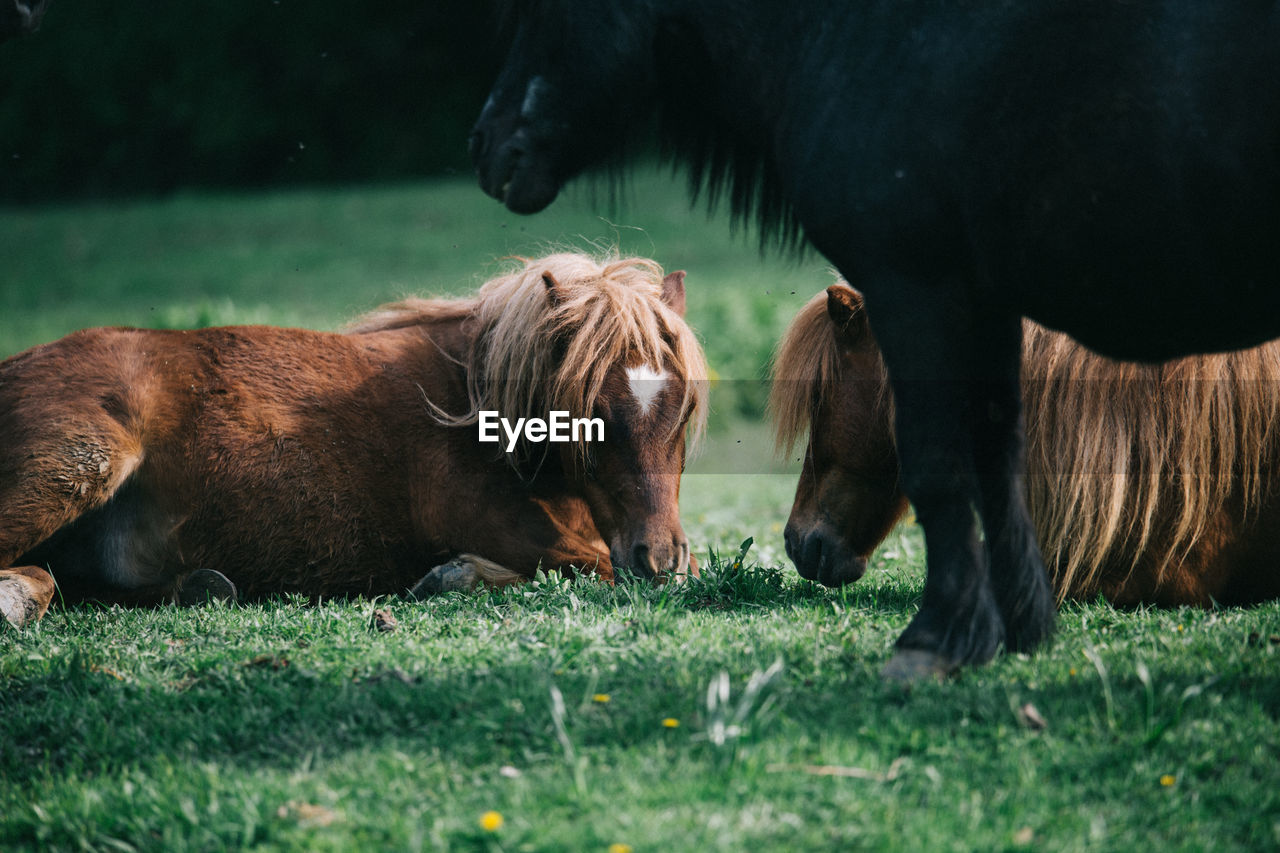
x=820 y=554
x=653 y=561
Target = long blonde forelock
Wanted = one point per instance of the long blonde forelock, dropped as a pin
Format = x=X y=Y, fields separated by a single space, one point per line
x=538 y=349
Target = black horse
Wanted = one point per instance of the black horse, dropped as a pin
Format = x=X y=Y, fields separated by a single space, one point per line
x=1107 y=168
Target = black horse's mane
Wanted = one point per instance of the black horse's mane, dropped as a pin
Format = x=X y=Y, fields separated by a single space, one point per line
x=740 y=172
x=727 y=149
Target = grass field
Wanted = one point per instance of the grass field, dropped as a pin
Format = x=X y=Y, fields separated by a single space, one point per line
x=741 y=711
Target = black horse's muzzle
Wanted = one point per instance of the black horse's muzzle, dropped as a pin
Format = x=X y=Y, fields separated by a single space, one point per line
x=509 y=163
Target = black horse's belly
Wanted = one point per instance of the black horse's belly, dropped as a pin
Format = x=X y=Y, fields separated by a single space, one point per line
x=1151 y=278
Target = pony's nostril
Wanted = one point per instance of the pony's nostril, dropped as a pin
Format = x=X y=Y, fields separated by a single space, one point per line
x=811 y=556
x=789 y=540
x=642 y=562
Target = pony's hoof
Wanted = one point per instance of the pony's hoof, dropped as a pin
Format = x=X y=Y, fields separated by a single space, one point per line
x=204 y=585
x=911 y=666
x=457 y=575
x=25 y=593
x=16 y=606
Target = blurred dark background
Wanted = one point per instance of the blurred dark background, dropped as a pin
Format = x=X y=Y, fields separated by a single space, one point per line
x=124 y=97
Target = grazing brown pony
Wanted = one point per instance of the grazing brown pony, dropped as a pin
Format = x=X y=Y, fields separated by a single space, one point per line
x=333 y=464
x=1146 y=483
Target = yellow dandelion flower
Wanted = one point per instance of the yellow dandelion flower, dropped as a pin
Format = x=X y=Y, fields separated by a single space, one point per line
x=1179 y=629
x=1071 y=671
x=1167 y=781
x=670 y=722
x=601 y=698
x=619 y=847
x=491 y=821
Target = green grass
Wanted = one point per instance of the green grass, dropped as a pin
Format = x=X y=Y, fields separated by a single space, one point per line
x=284 y=726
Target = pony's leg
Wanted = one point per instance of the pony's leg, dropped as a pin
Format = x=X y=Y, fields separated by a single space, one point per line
x=46 y=481
x=1018 y=576
x=928 y=342
x=468 y=571
x=25 y=594
x=463 y=574
x=551 y=533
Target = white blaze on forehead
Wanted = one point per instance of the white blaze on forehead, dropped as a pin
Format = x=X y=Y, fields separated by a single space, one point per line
x=646 y=385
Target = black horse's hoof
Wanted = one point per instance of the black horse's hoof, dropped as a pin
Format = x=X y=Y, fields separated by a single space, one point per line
x=912 y=666
x=205 y=585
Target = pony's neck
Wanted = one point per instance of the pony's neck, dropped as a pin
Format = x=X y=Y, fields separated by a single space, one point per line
x=447 y=343
x=449 y=338
x=435 y=350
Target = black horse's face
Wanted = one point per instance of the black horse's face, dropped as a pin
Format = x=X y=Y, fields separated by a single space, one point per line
x=576 y=81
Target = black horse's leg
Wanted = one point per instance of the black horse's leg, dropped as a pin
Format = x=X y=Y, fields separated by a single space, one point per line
x=929 y=336
x=1017 y=571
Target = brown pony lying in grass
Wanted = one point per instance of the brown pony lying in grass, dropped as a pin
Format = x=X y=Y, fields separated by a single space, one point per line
x=335 y=464
x=1147 y=483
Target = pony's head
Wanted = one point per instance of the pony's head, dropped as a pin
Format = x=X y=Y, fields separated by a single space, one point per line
x=577 y=75
x=829 y=380
x=599 y=340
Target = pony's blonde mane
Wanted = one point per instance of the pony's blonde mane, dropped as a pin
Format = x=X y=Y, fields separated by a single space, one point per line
x=805 y=373
x=413 y=311
x=535 y=349
x=1120 y=456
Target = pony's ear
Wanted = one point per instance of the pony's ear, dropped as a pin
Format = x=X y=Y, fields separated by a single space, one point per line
x=553 y=288
x=844 y=306
x=673 y=291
